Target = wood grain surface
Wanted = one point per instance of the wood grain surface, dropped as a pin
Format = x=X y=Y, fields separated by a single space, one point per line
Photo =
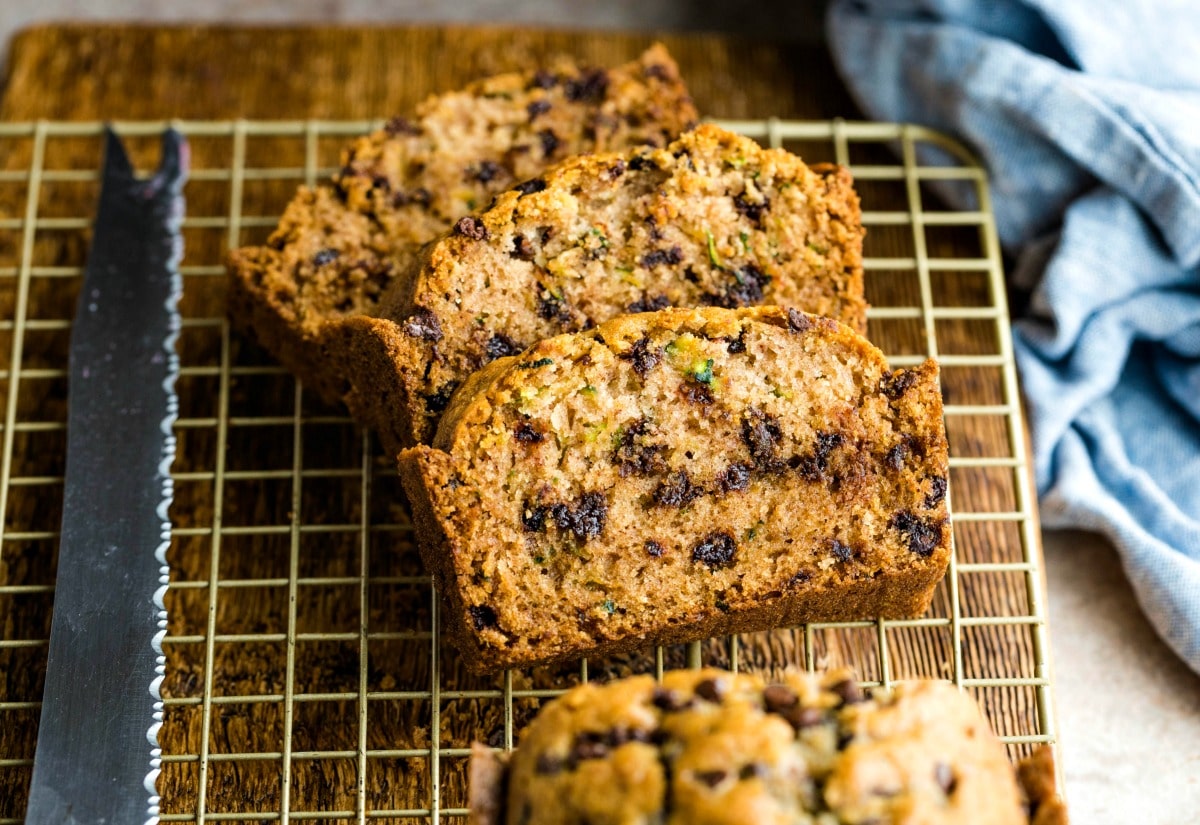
x=121 y=72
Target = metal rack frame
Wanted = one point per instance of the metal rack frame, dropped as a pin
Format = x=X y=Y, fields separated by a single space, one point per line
x=914 y=171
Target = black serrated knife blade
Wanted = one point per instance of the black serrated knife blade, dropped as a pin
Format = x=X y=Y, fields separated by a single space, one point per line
x=97 y=753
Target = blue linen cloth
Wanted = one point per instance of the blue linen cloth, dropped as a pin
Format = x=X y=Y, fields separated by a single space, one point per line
x=1086 y=114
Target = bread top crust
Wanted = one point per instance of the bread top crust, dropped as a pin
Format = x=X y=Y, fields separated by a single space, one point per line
x=338 y=247
x=712 y=219
x=666 y=465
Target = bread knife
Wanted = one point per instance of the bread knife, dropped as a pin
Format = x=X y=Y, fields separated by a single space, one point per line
x=97 y=756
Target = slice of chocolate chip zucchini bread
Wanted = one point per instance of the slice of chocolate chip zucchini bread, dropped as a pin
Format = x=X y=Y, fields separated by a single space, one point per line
x=712 y=219
x=707 y=746
x=339 y=247
x=677 y=475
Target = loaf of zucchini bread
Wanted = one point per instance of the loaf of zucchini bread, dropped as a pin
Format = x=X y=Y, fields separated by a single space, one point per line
x=709 y=747
x=339 y=247
x=712 y=219
x=677 y=475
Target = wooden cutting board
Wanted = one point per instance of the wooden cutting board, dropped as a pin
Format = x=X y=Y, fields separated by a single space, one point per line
x=89 y=72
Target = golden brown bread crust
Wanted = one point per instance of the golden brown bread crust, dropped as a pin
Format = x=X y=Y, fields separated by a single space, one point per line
x=712 y=219
x=708 y=746
x=339 y=247
x=678 y=475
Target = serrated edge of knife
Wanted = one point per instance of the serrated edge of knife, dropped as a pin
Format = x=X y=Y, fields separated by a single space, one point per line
x=175 y=325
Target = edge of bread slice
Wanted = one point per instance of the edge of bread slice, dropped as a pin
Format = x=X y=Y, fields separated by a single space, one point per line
x=678 y=475
x=340 y=247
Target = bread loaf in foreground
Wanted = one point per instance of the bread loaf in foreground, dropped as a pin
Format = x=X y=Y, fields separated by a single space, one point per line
x=711 y=220
x=708 y=746
x=676 y=475
x=340 y=247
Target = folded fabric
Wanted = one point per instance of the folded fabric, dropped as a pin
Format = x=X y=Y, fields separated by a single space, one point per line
x=1086 y=114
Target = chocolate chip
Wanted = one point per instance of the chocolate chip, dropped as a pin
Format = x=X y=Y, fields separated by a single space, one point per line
x=500 y=345
x=937 y=492
x=471 y=227
x=653 y=548
x=401 y=126
x=922 y=535
x=522 y=248
x=715 y=550
x=841 y=552
x=798 y=321
x=622 y=735
x=668 y=700
x=325 y=256
x=529 y=187
x=778 y=698
x=527 y=434
x=552 y=308
x=533 y=517
x=711 y=690
x=537 y=107
x=549 y=142
x=548 y=765
x=751 y=209
x=944 y=775
x=676 y=490
x=483 y=616
x=895 y=384
x=799 y=577
x=586 y=520
x=711 y=778
x=639 y=162
x=738 y=345
x=423 y=324
x=648 y=304
x=616 y=170
x=440 y=400
x=644 y=359
x=543 y=79
x=761 y=434
x=753 y=770
x=849 y=692
x=734 y=477
x=588 y=746
x=896 y=456
x=657 y=257
x=697 y=393
x=589 y=87
x=485 y=172
x=633 y=455
x=658 y=71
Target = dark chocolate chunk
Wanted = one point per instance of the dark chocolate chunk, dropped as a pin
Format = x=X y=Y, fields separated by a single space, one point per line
x=543 y=79
x=552 y=308
x=715 y=550
x=438 y=401
x=589 y=87
x=548 y=765
x=798 y=321
x=753 y=770
x=738 y=345
x=762 y=434
x=778 y=698
x=841 y=552
x=653 y=548
x=649 y=304
x=522 y=248
x=485 y=171
x=537 y=107
x=526 y=433
x=734 y=477
x=633 y=455
x=697 y=393
x=588 y=746
x=669 y=700
x=471 y=227
x=585 y=520
x=549 y=142
x=643 y=358
x=711 y=778
x=677 y=490
x=423 y=324
x=944 y=775
x=658 y=71
x=937 y=492
x=529 y=187
x=751 y=209
x=896 y=456
x=616 y=170
x=401 y=126
x=923 y=535
x=483 y=616
x=657 y=257
x=325 y=256
x=895 y=384
x=711 y=690
x=621 y=735
x=533 y=517
x=500 y=345
x=639 y=162
x=849 y=691
x=799 y=577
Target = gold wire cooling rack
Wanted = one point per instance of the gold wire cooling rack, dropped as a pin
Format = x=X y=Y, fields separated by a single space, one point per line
x=306 y=678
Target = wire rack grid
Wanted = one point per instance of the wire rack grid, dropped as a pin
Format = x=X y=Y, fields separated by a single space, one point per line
x=306 y=677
